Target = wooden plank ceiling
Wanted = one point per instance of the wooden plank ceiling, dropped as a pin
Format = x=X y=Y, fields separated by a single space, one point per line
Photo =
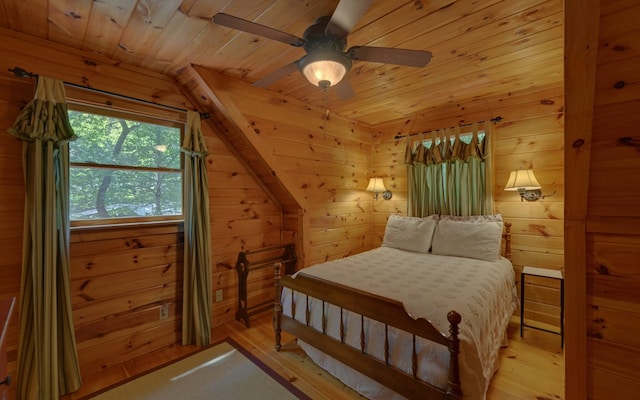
x=480 y=48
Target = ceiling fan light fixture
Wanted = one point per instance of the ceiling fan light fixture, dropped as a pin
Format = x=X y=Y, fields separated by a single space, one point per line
x=324 y=68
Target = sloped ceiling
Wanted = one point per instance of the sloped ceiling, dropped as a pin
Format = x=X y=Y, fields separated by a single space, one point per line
x=480 y=47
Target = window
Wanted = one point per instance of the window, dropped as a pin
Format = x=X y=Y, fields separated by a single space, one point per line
x=123 y=168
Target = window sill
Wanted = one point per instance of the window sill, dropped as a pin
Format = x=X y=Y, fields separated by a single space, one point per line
x=179 y=223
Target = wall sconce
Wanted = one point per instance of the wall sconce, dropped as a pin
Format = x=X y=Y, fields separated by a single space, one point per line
x=376 y=185
x=524 y=182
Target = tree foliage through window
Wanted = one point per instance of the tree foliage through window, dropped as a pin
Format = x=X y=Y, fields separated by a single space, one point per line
x=123 y=168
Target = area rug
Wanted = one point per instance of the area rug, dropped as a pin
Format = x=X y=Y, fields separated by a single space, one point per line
x=223 y=371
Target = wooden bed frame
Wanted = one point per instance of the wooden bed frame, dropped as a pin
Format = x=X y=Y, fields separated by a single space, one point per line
x=388 y=312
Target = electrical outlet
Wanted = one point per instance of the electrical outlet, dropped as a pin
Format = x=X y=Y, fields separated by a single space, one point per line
x=164 y=311
x=218 y=295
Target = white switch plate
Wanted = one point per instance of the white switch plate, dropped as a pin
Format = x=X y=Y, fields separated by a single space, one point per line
x=218 y=295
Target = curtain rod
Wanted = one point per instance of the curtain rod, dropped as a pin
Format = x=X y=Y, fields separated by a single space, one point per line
x=494 y=120
x=21 y=73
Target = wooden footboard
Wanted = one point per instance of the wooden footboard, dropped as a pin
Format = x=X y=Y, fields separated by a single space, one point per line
x=387 y=311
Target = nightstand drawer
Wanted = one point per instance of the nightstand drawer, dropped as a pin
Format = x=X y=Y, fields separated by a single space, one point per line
x=543 y=273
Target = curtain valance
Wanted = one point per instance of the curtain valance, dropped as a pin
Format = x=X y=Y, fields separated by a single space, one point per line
x=449 y=172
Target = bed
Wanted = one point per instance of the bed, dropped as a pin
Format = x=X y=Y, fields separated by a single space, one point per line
x=422 y=316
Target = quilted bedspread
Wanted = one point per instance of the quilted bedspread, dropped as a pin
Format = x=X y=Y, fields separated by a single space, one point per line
x=430 y=286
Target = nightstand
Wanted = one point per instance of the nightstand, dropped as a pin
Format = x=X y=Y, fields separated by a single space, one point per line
x=544 y=273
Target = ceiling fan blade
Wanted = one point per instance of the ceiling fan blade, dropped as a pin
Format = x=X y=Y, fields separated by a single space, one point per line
x=276 y=75
x=344 y=90
x=346 y=16
x=387 y=55
x=251 y=27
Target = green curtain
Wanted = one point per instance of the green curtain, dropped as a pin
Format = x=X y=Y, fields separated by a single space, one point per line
x=47 y=356
x=447 y=175
x=196 y=295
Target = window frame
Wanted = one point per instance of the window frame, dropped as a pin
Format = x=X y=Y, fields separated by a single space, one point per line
x=138 y=117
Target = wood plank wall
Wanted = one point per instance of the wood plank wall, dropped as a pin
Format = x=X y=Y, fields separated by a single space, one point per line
x=119 y=280
x=327 y=157
x=531 y=135
x=610 y=245
x=121 y=276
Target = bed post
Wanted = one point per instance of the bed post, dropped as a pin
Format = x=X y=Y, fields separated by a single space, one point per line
x=507 y=240
x=454 y=390
x=277 y=309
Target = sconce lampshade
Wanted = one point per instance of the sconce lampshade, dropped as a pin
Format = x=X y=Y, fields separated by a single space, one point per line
x=324 y=68
x=376 y=185
x=521 y=180
x=525 y=183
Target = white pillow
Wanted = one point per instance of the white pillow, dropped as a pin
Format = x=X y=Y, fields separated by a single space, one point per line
x=410 y=233
x=479 y=240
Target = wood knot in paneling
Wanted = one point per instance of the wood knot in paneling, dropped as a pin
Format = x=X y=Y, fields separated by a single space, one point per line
x=629 y=141
x=86 y=297
x=84 y=284
x=560 y=113
x=619 y=85
x=578 y=143
x=596 y=335
x=134 y=244
x=224 y=265
x=541 y=229
x=602 y=269
x=548 y=213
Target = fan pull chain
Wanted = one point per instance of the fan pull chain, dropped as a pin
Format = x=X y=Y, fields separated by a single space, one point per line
x=325 y=116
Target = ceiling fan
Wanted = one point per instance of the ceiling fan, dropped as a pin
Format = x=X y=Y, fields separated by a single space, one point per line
x=326 y=62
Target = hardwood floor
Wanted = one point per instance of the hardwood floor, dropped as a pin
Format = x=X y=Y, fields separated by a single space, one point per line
x=530 y=368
